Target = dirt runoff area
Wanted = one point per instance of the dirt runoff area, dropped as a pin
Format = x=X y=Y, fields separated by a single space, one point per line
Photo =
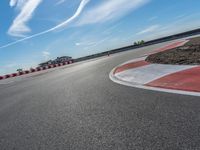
x=188 y=54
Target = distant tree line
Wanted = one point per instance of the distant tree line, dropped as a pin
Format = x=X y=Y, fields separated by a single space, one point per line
x=139 y=42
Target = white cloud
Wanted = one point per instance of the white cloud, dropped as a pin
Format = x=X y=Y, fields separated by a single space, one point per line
x=86 y=43
x=46 y=55
x=111 y=29
x=181 y=16
x=19 y=27
x=77 y=44
x=185 y=23
x=110 y=9
x=77 y=13
x=13 y=3
x=11 y=65
x=60 y=2
x=153 y=18
x=95 y=44
x=61 y=25
x=149 y=29
x=18 y=4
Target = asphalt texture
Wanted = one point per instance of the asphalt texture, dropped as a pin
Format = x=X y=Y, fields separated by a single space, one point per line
x=78 y=107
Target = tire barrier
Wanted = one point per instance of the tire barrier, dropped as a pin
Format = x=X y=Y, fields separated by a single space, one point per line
x=32 y=70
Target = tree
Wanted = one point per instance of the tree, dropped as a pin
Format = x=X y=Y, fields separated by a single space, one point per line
x=139 y=42
x=135 y=43
x=142 y=42
x=20 y=70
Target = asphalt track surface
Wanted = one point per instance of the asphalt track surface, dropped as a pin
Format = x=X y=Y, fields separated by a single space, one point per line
x=78 y=107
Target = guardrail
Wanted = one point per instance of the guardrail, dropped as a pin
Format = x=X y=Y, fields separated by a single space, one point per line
x=147 y=43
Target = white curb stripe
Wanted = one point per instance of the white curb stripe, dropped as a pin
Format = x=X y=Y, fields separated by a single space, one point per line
x=114 y=79
x=141 y=82
x=149 y=73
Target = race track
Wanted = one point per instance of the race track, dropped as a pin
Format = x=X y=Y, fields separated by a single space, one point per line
x=78 y=107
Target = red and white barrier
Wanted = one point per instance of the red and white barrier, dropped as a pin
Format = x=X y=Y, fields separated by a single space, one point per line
x=32 y=70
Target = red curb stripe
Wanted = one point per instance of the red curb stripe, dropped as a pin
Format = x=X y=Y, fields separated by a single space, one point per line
x=131 y=66
x=171 y=46
x=187 y=80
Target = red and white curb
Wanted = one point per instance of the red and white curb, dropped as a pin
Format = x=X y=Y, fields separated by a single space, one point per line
x=34 y=70
x=180 y=79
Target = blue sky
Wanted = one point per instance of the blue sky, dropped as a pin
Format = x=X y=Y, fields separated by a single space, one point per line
x=33 y=31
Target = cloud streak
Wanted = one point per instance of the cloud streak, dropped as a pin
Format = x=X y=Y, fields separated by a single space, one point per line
x=60 y=2
x=185 y=23
x=149 y=29
x=110 y=9
x=46 y=55
x=19 y=27
x=59 y=26
x=13 y=3
x=18 y=4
